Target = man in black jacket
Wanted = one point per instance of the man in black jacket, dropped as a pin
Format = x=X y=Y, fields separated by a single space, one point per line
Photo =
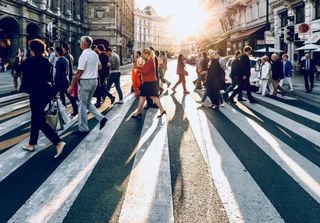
x=244 y=75
x=308 y=69
x=277 y=74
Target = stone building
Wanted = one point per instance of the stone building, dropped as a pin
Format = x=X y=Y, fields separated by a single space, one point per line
x=153 y=30
x=111 y=23
x=22 y=20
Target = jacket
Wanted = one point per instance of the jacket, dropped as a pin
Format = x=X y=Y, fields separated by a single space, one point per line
x=287 y=68
x=236 y=69
x=312 y=66
x=265 y=70
x=148 y=71
x=245 y=65
x=277 y=70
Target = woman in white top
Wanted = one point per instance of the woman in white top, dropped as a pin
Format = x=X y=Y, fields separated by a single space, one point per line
x=265 y=69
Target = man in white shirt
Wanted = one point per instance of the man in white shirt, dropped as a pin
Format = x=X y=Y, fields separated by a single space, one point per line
x=87 y=79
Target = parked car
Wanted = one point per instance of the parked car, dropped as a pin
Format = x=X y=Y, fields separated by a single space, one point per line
x=191 y=58
x=254 y=71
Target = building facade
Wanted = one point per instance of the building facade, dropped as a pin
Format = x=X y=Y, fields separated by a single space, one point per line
x=22 y=20
x=152 y=30
x=305 y=17
x=243 y=22
x=111 y=23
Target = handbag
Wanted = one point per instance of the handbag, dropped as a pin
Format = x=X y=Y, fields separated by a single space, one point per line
x=63 y=113
x=52 y=115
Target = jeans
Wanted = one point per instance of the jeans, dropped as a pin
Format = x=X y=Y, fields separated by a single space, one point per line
x=114 y=78
x=86 y=90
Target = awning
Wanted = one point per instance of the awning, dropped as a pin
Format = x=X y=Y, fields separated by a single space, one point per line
x=245 y=33
x=314 y=38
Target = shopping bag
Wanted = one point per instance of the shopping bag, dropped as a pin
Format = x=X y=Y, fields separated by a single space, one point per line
x=52 y=115
x=63 y=113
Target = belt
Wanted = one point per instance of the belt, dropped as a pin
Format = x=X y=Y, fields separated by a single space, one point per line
x=82 y=79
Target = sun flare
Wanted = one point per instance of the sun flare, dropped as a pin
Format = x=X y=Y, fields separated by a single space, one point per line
x=188 y=19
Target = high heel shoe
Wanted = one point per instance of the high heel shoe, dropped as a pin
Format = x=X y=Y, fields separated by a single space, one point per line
x=162 y=113
x=138 y=116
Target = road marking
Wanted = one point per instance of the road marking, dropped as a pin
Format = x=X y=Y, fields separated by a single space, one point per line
x=13 y=107
x=149 y=196
x=242 y=198
x=14 y=123
x=308 y=115
x=53 y=199
x=304 y=172
x=13 y=97
x=311 y=135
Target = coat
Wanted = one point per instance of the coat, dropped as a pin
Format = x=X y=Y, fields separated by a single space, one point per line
x=215 y=76
x=277 y=70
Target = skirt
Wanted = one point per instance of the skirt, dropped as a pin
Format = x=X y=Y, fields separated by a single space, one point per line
x=149 y=89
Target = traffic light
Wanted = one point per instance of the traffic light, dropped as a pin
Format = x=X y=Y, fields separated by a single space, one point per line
x=55 y=30
x=290 y=33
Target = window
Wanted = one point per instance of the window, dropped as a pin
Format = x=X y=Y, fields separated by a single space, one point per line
x=283 y=16
x=317 y=8
x=300 y=15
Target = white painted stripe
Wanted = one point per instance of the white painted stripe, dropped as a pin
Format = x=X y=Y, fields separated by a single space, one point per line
x=14 y=123
x=13 y=97
x=14 y=106
x=242 y=198
x=148 y=196
x=15 y=157
x=302 y=130
x=53 y=199
x=298 y=111
x=304 y=172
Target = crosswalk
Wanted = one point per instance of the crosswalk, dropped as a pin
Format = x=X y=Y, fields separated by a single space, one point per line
x=262 y=161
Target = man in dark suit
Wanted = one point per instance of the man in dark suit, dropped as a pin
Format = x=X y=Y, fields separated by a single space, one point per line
x=246 y=72
x=308 y=69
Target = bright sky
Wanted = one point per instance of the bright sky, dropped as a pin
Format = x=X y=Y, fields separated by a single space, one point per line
x=188 y=16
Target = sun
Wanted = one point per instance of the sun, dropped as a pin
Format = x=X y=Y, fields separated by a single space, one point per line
x=188 y=19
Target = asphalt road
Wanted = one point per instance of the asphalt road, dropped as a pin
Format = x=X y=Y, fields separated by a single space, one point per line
x=240 y=163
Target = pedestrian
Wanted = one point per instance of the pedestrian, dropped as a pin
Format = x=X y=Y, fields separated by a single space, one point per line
x=264 y=75
x=138 y=62
x=308 y=69
x=149 y=86
x=1 y=65
x=235 y=76
x=61 y=82
x=17 y=69
x=277 y=74
x=287 y=71
x=37 y=82
x=202 y=70
x=181 y=71
x=150 y=103
x=104 y=73
x=215 y=81
x=87 y=79
x=197 y=82
x=244 y=76
x=115 y=73
x=223 y=66
x=73 y=99
x=162 y=66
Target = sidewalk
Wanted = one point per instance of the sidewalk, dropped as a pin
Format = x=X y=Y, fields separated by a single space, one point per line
x=300 y=91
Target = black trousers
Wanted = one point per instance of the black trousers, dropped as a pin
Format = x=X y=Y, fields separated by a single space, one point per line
x=243 y=85
x=308 y=80
x=73 y=100
x=38 y=120
x=215 y=96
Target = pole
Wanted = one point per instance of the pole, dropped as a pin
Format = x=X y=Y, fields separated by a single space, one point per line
x=267 y=24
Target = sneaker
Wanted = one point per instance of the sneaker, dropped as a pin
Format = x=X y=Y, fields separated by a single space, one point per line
x=28 y=147
x=97 y=105
x=120 y=102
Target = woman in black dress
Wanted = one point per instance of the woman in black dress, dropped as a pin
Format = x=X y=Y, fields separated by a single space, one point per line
x=37 y=82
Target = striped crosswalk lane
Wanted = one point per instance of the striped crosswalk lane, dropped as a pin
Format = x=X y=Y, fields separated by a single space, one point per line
x=263 y=160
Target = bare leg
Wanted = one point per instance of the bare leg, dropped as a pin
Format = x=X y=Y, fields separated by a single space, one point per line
x=156 y=100
x=140 y=106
